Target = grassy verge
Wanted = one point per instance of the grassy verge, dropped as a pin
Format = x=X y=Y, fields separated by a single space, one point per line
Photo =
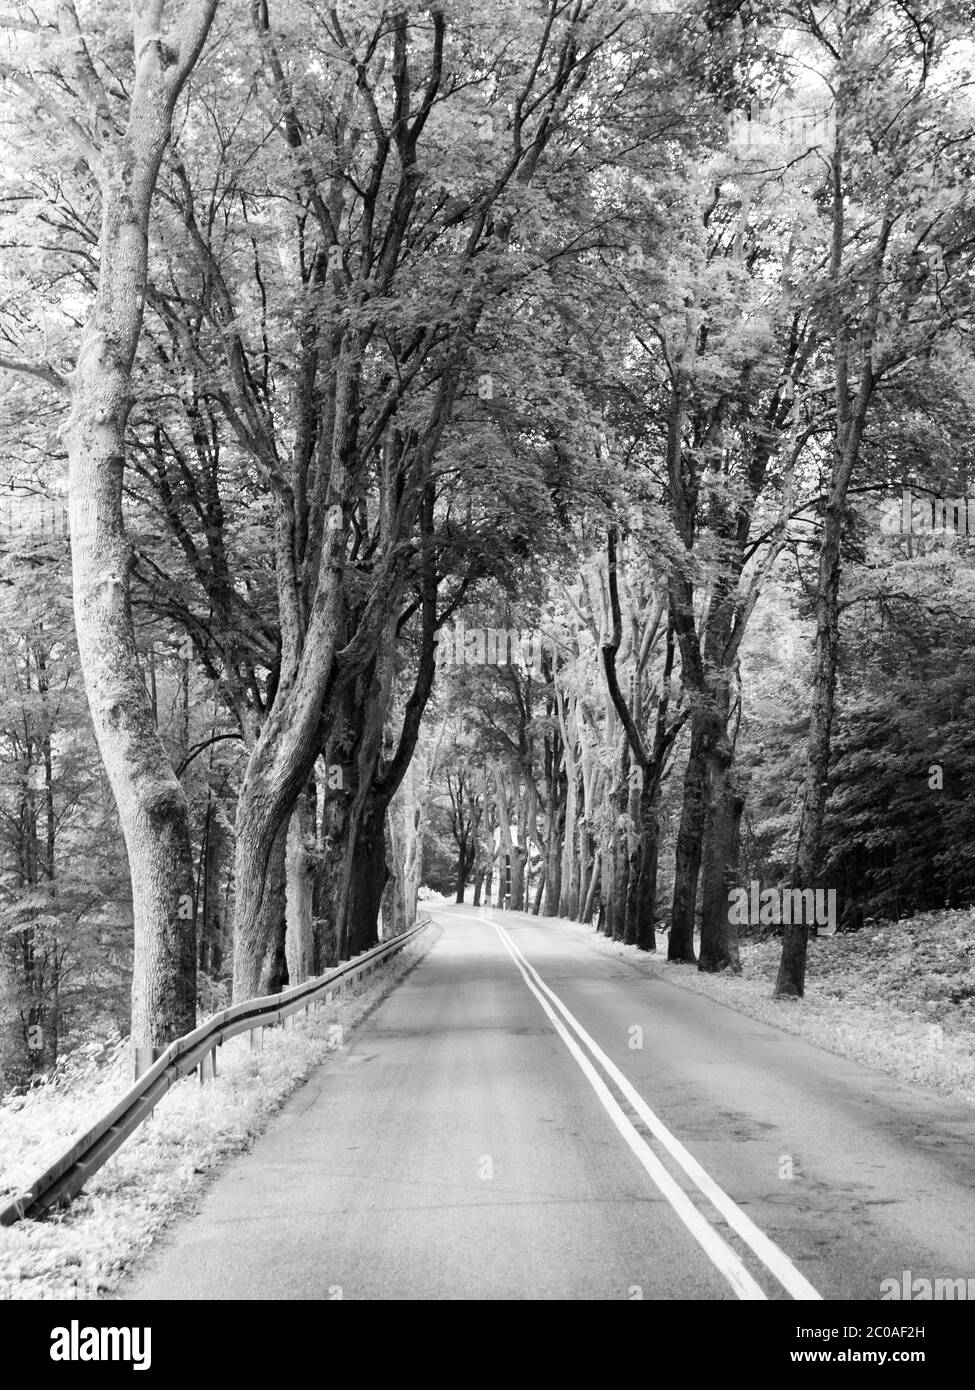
x=899 y=996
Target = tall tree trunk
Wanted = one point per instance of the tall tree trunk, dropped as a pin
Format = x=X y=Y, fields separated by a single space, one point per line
x=568 y=904
x=398 y=857
x=586 y=870
x=645 y=936
x=367 y=881
x=808 y=857
x=152 y=807
x=552 y=868
x=504 y=881
x=366 y=867
x=213 y=926
x=410 y=806
x=539 y=891
x=461 y=872
x=690 y=837
x=575 y=893
x=519 y=860
x=635 y=881
x=616 y=900
x=647 y=758
x=333 y=837
x=592 y=895
x=719 y=935
x=300 y=870
x=393 y=907
x=506 y=855
x=621 y=888
x=260 y=884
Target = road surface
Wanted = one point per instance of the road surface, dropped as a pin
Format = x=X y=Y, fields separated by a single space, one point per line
x=524 y=1117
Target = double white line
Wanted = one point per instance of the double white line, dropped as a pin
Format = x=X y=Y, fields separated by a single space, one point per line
x=719 y=1252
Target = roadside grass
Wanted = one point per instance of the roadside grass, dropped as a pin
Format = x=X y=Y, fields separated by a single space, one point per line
x=163 y=1169
x=898 y=996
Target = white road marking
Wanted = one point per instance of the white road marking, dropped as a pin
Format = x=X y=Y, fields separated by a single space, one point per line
x=775 y=1260
x=718 y=1251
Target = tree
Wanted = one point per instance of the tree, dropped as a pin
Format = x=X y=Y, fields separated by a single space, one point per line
x=883 y=310
x=122 y=145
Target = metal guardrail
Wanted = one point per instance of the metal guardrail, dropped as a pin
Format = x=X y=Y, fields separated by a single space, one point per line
x=68 y=1174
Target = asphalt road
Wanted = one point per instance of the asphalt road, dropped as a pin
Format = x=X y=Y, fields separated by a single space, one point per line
x=526 y=1118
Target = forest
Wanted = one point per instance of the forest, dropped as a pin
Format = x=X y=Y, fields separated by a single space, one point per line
x=517 y=450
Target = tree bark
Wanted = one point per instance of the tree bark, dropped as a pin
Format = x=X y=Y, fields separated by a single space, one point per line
x=645 y=936
x=690 y=836
x=586 y=870
x=300 y=869
x=539 y=891
x=719 y=935
x=367 y=880
x=393 y=920
x=461 y=872
x=519 y=859
x=593 y=893
x=260 y=883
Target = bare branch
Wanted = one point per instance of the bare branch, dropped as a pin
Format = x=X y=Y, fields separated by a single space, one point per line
x=41 y=370
x=85 y=72
x=24 y=26
x=610 y=648
x=36 y=94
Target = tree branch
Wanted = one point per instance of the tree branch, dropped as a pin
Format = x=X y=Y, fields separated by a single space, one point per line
x=610 y=649
x=41 y=370
x=36 y=94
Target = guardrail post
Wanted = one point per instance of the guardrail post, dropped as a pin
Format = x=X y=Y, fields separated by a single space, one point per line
x=259 y=1044
x=144 y=1058
x=208 y=1066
